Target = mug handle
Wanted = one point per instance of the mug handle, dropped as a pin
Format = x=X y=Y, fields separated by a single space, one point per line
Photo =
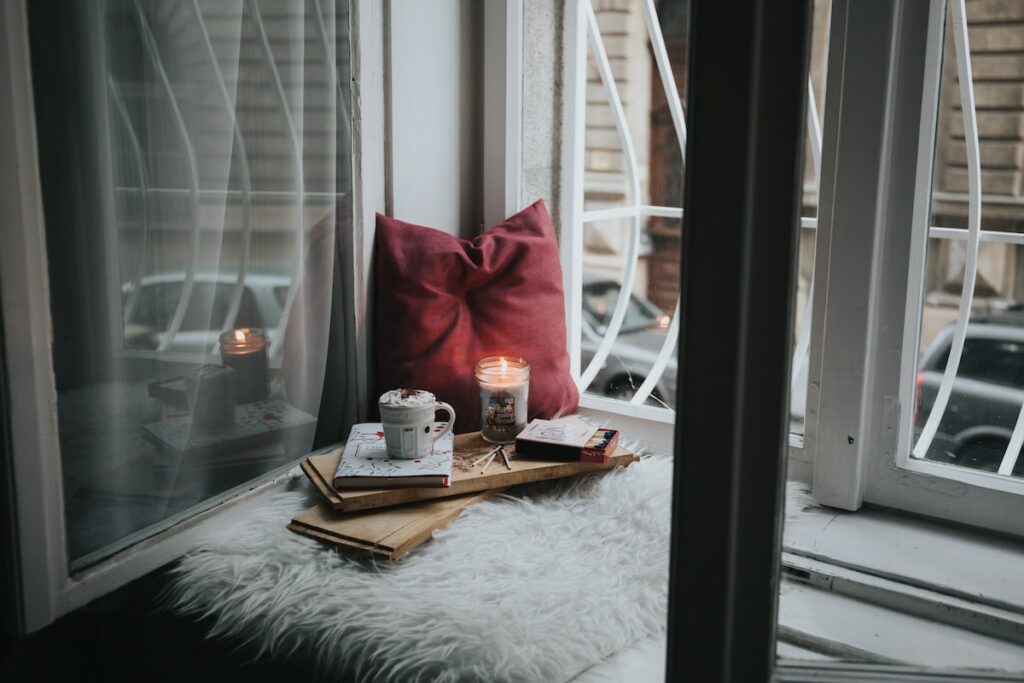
x=441 y=405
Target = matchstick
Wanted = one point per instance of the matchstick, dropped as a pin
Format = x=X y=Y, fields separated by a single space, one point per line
x=493 y=455
x=484 y=456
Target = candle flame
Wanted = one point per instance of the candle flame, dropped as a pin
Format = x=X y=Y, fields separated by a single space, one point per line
x=239 y=335
x=504 y=366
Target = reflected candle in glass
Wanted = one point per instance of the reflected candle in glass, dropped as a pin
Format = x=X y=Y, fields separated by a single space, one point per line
x=504 y=392
x=245 y=351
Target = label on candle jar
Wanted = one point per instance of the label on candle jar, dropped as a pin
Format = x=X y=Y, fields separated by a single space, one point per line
x=501 y=409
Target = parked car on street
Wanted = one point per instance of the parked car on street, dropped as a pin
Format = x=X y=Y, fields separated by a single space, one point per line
x=987 y=395
x=634 y=352
x=263 y=299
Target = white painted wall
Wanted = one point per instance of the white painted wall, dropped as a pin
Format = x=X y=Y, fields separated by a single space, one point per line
x=436 y=115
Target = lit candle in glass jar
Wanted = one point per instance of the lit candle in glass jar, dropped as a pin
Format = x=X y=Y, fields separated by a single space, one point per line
x=245 y=351
x=504 y=391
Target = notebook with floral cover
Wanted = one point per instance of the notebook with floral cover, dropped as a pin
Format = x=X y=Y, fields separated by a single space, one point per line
x=365 y=463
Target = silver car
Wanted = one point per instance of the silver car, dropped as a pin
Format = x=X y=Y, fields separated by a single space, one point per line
x=643 y=331
x=987 y=394
x=263 y=299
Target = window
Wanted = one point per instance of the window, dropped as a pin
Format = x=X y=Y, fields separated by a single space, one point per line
x=213 y=144
x=176 y=172
x=933 y=425
x=625 y=219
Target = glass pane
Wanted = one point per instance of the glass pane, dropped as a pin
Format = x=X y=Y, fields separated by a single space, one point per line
x=644 y=328
x=641 y=181
x=615 y=190
x=974 y=426
x=195 y=161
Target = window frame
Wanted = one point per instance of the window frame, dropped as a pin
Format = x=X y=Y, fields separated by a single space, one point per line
x=877 y=181
x=48 y=589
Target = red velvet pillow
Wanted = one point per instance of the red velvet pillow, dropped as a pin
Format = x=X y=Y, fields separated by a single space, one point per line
x=443 y=303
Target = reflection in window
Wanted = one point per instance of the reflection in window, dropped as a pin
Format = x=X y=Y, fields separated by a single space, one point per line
x=193 y=158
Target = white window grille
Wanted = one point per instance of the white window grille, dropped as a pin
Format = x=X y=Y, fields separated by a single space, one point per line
x=974 y=236
x=636 y=212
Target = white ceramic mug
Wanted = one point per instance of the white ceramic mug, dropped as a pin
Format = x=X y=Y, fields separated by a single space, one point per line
x=408 y=419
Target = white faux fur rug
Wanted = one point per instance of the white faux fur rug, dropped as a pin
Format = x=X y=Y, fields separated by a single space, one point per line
x=536 y=587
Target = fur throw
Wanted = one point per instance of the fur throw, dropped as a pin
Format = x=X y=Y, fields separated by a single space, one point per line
x=533 y=587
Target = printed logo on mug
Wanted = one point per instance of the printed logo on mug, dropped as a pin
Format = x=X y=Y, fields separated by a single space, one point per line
x=408 y=419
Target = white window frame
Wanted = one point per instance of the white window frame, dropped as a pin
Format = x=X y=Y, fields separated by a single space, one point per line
x=866 y=316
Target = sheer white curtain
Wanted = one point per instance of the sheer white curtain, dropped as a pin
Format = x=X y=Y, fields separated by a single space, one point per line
x=208 y=153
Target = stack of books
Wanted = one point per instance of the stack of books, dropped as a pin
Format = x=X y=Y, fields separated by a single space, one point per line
x=386 y=507
x=365 y=463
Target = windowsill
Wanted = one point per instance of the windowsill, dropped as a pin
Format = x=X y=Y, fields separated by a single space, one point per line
x=952 y=560
x=874 y=594
x=879 y=585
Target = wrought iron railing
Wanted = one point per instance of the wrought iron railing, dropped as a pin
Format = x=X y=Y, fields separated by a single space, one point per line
x=637 y=211
x=973 y=234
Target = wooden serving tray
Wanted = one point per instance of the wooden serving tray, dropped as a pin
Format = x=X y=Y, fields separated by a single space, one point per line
x=320 y=469
x=386 y=534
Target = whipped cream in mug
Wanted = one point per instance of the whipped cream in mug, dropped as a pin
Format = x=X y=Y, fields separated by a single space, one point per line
x=407 y=397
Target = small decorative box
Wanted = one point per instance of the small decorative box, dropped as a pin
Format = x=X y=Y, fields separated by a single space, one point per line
x=566 y=441
x=601 y=445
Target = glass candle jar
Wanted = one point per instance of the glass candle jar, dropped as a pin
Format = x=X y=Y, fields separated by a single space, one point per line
x=504 y=391
x=244 y=350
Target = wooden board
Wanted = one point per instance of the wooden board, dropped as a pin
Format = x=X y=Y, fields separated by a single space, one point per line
x=320 y=469
x=387 y=534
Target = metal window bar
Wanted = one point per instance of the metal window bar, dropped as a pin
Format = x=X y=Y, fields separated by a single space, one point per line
x=639 y=212
x=190 y=274
x=632 y=167
x=300 y=232
x=332 y=70
x=963 y=62
x=142 y=190
x=243 y=161
x=802 y=349
x=668 y=83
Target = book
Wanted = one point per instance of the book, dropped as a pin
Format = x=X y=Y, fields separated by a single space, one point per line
x=389 y=533
x=554 y=439
x=255 y=424
x=365 y=463
x=467 y=477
